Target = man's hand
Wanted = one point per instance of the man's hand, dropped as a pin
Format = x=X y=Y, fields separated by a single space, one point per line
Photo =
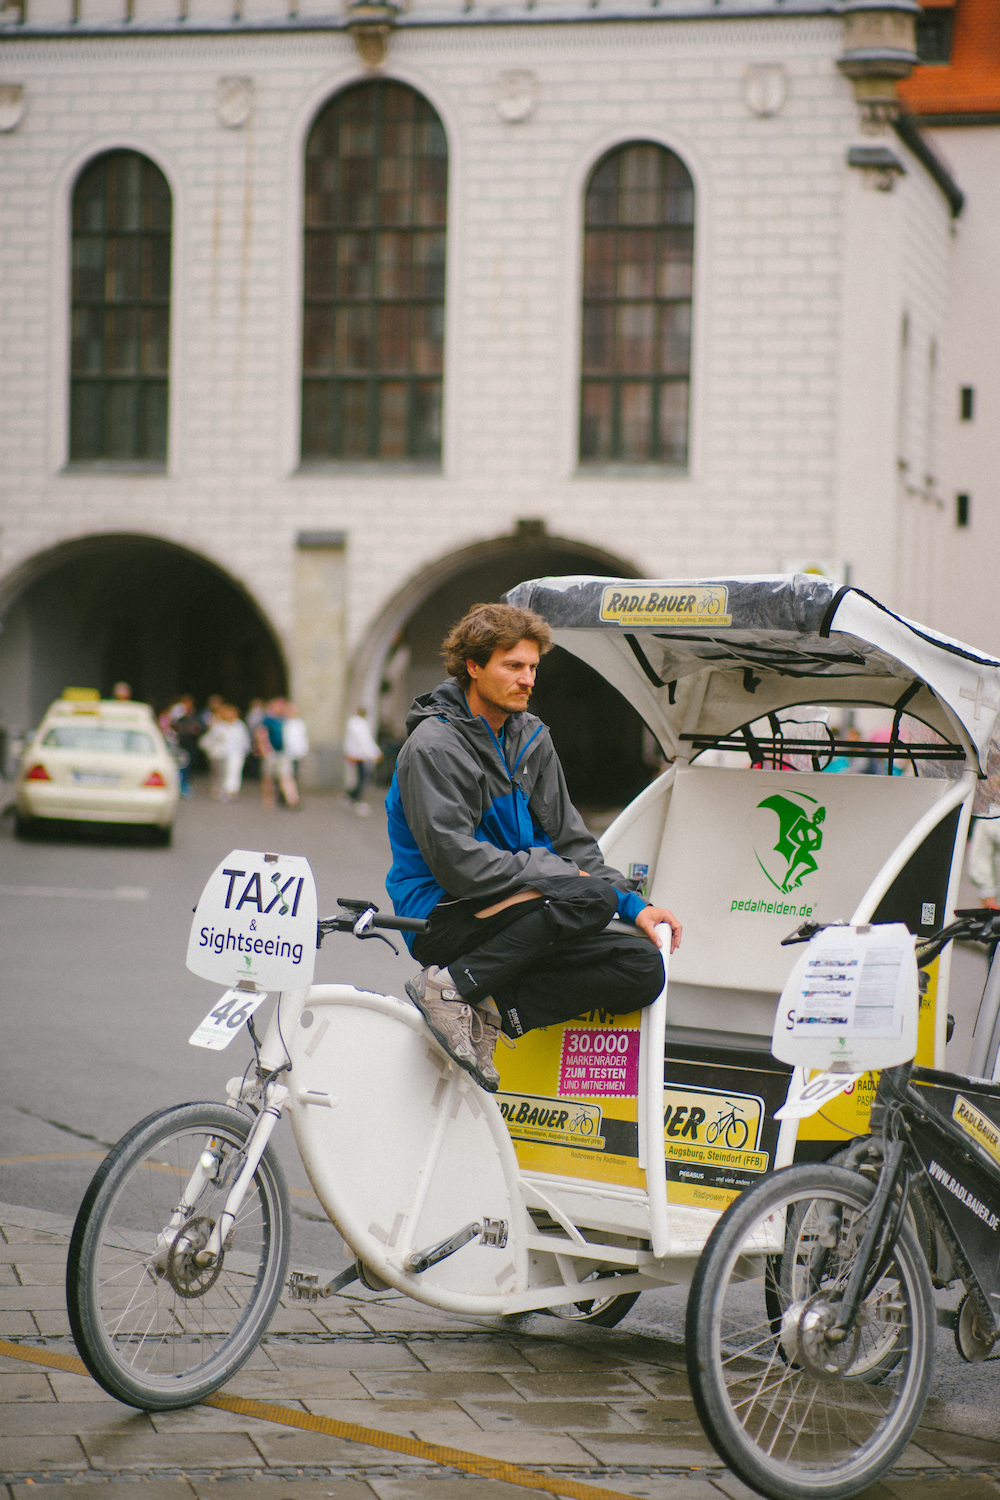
x=649 y=919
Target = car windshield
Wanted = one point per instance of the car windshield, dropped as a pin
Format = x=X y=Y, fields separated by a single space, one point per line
x=100 y=737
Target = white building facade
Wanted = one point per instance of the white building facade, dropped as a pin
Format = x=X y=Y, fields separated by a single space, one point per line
x=803 y=418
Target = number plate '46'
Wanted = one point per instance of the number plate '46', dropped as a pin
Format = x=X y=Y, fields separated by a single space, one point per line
x=225 y=1019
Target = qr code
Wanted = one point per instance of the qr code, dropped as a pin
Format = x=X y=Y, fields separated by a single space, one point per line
x=927 y=911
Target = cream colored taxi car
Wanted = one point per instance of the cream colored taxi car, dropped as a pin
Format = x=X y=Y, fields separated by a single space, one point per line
x=100 y=762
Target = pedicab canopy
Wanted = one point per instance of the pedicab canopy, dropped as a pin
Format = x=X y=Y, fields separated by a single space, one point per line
x=703 y=659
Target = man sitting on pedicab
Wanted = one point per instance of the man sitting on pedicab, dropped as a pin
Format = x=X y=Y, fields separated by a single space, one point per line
x=528 y=926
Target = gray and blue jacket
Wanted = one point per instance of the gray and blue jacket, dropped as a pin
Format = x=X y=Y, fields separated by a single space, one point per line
x=472 y=816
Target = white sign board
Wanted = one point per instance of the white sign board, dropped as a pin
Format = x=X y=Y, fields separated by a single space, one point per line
x=228 y=1016
x=256 y=921
x=852 y=1000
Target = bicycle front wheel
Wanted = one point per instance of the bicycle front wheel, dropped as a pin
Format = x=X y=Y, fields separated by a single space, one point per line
x=795 y=1413
x=154 y=1328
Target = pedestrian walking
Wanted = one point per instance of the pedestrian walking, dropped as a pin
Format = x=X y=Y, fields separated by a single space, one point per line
x=296 y=737
x=361 y=753
x=276 y=764
x=227 y=744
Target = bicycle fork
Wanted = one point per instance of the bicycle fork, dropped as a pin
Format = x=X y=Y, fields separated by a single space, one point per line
x=275 y=1097
x=865 y=1273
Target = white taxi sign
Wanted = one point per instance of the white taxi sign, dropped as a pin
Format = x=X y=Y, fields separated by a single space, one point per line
x=256 y=921
x=851 y=1002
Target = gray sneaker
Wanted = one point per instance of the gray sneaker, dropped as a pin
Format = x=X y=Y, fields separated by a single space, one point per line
x=448 y=1017
x=484 y=1039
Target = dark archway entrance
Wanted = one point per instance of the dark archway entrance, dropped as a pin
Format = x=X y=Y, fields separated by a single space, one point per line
x=122 y=607
x=600 y=738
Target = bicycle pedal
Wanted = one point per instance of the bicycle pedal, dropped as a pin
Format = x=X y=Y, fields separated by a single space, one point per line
x=303 y=1286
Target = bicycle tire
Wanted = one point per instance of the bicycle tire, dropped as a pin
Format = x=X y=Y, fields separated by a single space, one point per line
x=795 y=1416
x=146 y=1328
x=712 y=1133
x=742 y=1131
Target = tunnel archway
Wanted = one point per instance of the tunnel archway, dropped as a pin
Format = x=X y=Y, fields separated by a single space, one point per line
x=125 y=607
x=600 y=738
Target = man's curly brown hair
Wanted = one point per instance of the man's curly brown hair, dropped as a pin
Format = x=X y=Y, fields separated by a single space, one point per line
x=485 y=628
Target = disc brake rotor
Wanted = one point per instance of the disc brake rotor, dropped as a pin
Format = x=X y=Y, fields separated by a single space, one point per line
x=187 y=1278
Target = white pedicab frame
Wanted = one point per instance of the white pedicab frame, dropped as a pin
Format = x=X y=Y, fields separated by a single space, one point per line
x=417 y=1167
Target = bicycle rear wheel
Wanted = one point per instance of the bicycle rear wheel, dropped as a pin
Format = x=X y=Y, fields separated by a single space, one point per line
x=793 y=1413
x=153 y=1328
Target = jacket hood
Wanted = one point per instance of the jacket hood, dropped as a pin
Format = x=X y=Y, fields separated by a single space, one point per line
x=447 y=701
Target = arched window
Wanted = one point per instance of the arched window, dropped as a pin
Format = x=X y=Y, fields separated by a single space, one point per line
x=373 y=335
x=637 y=254
x=120 y=310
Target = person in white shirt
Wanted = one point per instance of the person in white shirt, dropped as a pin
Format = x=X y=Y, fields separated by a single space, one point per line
x=983 y=861
x=227 y=745
x=361 y=752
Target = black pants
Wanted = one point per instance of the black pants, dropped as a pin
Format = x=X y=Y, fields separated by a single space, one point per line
x=546 y=960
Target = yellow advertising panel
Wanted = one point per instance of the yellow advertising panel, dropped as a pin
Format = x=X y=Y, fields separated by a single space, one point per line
x=569 y=1095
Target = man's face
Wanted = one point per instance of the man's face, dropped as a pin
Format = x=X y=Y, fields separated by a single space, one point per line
x=506 y=681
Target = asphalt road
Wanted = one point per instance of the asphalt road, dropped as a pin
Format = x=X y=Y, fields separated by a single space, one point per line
x=97 y=1005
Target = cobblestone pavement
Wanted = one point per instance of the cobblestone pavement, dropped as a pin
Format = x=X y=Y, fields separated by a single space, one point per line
x=581 y=1406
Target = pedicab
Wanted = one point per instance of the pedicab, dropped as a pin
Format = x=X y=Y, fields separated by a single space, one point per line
x=614 y=1143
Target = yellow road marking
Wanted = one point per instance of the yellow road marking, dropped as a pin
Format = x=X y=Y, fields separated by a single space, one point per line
x=286 y=1416
x=15 y=1161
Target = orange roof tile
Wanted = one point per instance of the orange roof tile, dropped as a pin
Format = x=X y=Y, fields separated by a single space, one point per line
x=970 y=83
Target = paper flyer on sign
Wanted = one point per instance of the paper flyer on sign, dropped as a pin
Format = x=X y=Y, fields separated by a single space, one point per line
x=852 y=983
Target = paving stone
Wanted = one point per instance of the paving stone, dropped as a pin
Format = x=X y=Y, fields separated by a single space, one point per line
x=441 y=1384
x=40 y=1273
x=24 y=1385
x=432 y=1421
x=169 y=1450
x=949 y=1416
x=53 y=1324
x=685 y=1449
x=663 y=1382
x=343 y=1354
x=568 y=1358
x=579 y=1385
x=407 y=1316
x=304 y=1384
x=557 y=1416
x=956 y=1448
x=121 y=1489
x=17 y=1325
x=70 y=1387
x=212 y=1419
x=521 y=1447
x=47 y=1418
x=16 y=1298
x=8 y=1276
x=479 y=1354
x=662 y=1486
x=939 y=1487
x=291 y=1447
x=446 y=1487
x=30 y=1454
x=659 y=1416
x=286 y=1489
x=297 y=1319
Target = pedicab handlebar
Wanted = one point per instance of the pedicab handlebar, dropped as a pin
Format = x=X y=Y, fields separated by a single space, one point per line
x=976 y=924
x=362 y=918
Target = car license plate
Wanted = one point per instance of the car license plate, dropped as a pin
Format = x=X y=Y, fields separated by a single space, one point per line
x=95 y=778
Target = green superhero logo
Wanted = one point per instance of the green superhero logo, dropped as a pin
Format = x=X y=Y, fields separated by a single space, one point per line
x=800 y=836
